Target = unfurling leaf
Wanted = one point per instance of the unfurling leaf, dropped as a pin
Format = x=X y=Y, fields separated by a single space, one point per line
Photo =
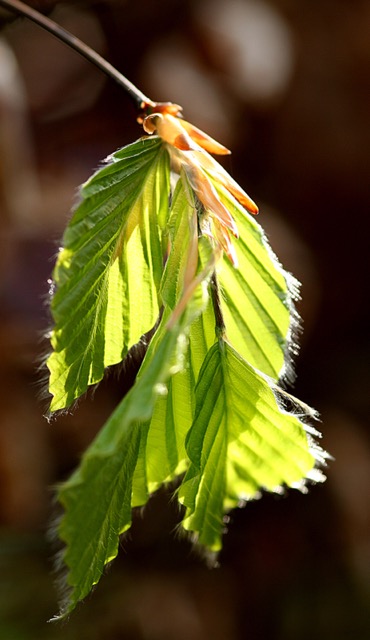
x=258 y=299
x=119 y=468
x=108 y=273
x=193 y=263
x=98 y=497
x=241 y=441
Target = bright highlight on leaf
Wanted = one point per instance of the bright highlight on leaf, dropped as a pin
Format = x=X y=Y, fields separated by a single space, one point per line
x=109 y=271
x=192 y=262
x=238 y=444
x=258 y=299
x=99 y=496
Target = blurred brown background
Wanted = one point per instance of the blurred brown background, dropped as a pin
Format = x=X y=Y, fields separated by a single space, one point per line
x=286 y=85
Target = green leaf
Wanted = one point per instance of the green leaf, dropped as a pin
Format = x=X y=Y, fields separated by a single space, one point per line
x=163 y=454
x=97 y=497
x=241 y=441
x=112 y=473
x=119 y=468
x=204 y=403
x=257 y=297
x=108 y=274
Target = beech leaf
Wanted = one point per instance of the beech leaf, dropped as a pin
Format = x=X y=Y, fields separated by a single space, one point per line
x=241 y=441
x=110 y=267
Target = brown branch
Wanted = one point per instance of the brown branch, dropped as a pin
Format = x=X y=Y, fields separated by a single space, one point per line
x=141 y=101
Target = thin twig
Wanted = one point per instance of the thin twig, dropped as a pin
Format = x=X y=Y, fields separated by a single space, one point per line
x=140 y=99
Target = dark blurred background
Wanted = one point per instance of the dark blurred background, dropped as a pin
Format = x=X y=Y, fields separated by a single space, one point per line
x=286 y=85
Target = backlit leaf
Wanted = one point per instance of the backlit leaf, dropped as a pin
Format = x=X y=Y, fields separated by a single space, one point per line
x=205 y=405
x=109 y=271
x=97 y=499
x=241 y=441
x=130 y=455
x=257 y=297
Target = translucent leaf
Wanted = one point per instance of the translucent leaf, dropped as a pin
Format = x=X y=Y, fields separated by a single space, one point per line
x=109 y=271
x=205 y=402
x=163 y=455
x=257 y=297
x=111 y=479
x=241 y=441
x=97 y=497
x=115 y=471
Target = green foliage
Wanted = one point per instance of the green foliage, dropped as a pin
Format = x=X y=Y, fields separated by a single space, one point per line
x=238 y=443
x=205 y=403
x=257 y=298
x=110 y=267
x=98 y=497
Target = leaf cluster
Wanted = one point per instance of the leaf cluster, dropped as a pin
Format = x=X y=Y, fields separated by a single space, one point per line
x=140 y=255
